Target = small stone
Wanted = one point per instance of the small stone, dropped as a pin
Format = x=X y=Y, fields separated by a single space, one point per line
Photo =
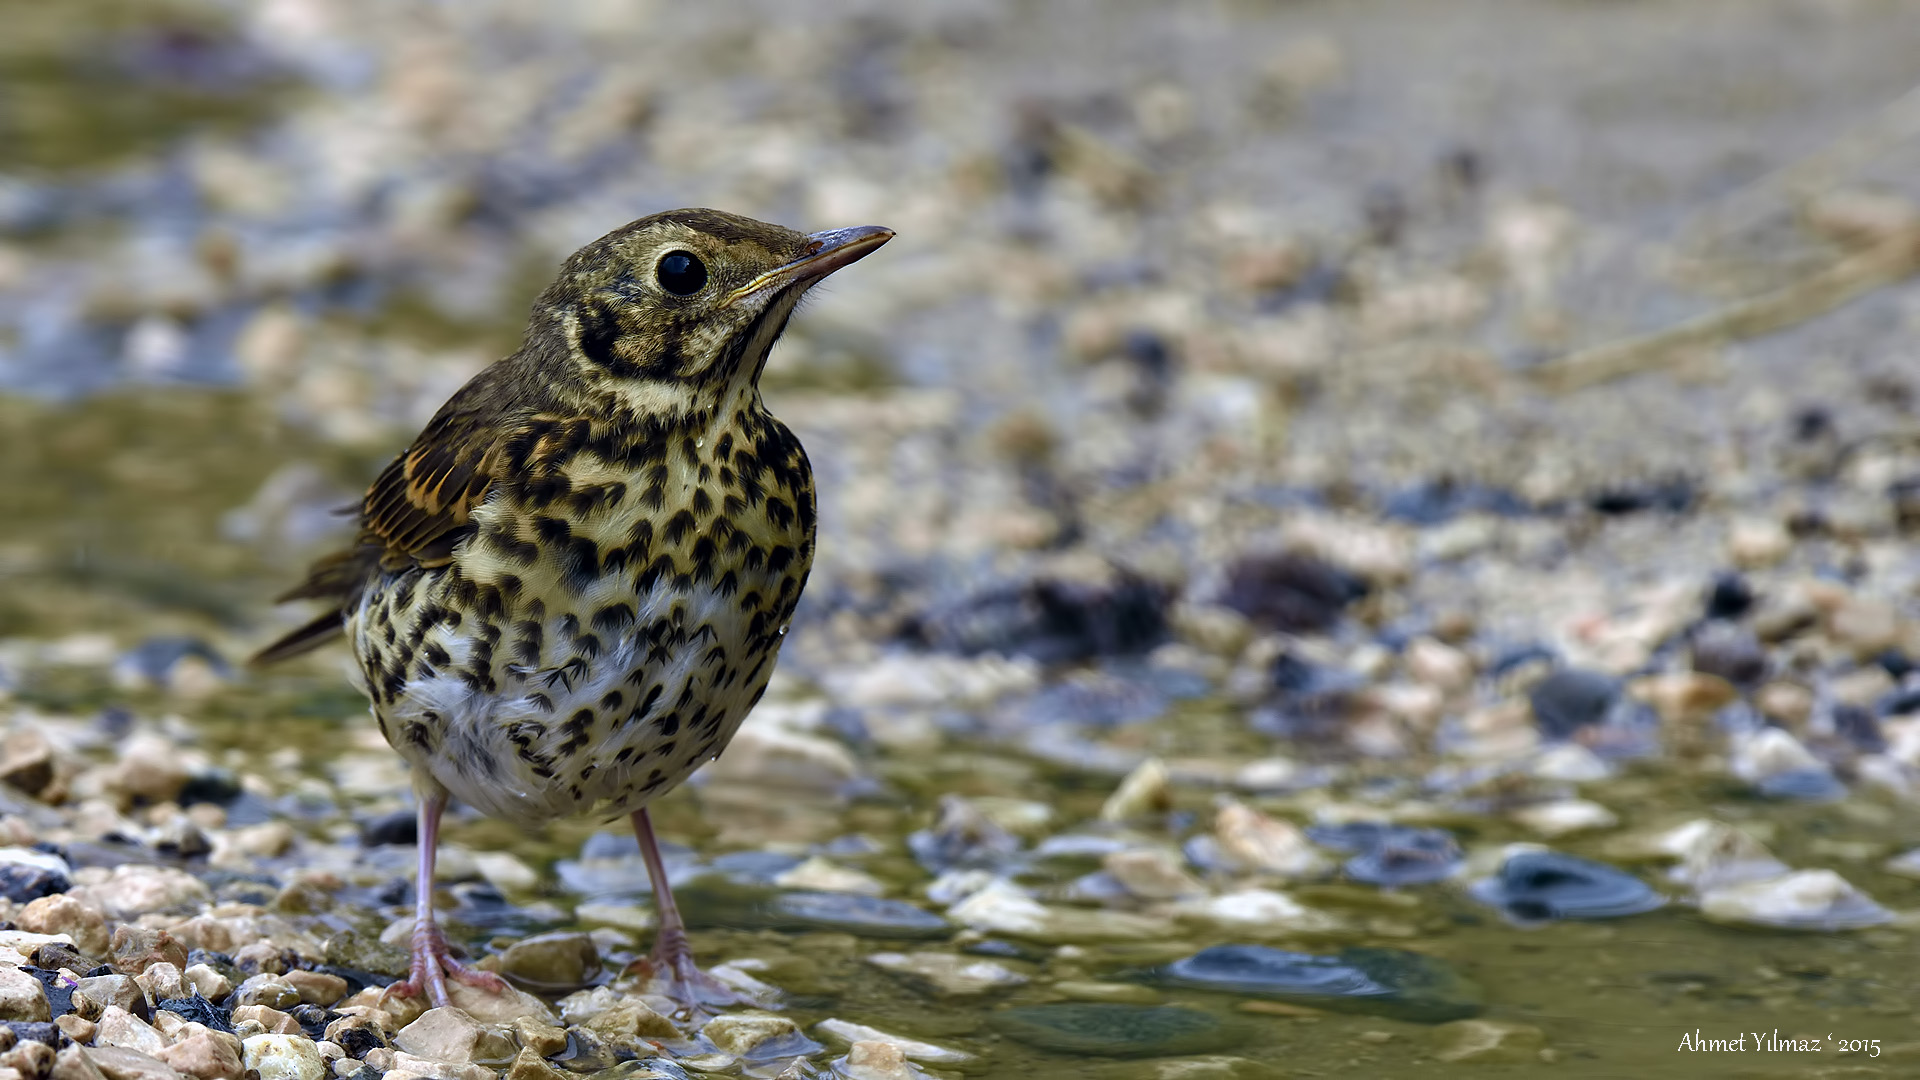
x=1265 y=845
x=149 y=768
x=208 y=983
x=75 y=1028
x=449 y=1034
x=209 y=1055
x=406 y=1065
x=914 y=1049
x=1757 y=543
x=266 y=989
x=1003 y=908
x=271 y=1020
x=134 y=890
x=544 y=1039
x=820 y=875
x=1151 y=874
x=118 y=1027
x=1869 y=625
x=1146 y=790
x=120 y=1063
x=26 y=760
x=29 y=1058
x=962 y=837
x=947 y=975
x=162 y=982
x=1438 y=664
x=1801 y=900
x=316 y=987
x=1125 y=993
x=1685 y=696
x=1373 y=982
x=633 y=1018
x=136 y=948
x=560 y=961
x=528 y=1065
x=359 y=1032
x=284 y=1057
x=1258 y=913
x=1572 y=698
x=505 y=871
x=1563 y=817
x=22 y=997
x=1731 y=652
x=1569 y=763
x=112 y=990
x=74 y=1063
x=1543 y=886
x=875 y=1061
x=758 y=1036
x=1488 y=1042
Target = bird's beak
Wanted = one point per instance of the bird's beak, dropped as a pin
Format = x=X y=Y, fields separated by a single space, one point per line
x=826 y=252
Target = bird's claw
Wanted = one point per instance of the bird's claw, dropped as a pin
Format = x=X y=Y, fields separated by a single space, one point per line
x=670 y=969
x=433 y=964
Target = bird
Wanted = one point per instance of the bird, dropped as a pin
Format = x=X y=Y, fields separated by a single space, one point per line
x=565 y=596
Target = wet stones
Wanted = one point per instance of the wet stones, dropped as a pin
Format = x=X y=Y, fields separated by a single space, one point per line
x=1052 y=619
x=561 y=961
x=1817 y=900
x=962 y=837
x=1535 y=887
x=1375 y=982
x=1391 y=855
x=22 y=997
x=1290 y=592
x=946 y=975
x=1571 y=699
x=1117 y=1030
x=865 y=916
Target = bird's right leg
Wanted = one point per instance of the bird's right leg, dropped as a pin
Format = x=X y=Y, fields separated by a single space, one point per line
x=432 y=963
x=671 y=960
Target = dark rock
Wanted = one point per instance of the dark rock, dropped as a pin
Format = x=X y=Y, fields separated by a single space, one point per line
x=584 y=1053
x=1052 y=621
x=200 y=1011
x=1859 y=727
x=312 y=1019
x=1374 y=982
x=1731 y=652
x=1391 y=855
x=401 y=828
x=1729 y=597
x=1899 y=701
x=44 y=1032
x=356 y=1041
x=217 y=786
x=1290 y=592
x=1545 y=886
x=1895 y=663
x=1506 y=662
x=1439 y=501
x=1572 y=698
x=22 y=883
x=357 y=979
x=962 y=838
x=59 y=991
x=1673 y=495
x=1115 y=1030
x=1098 y=700
x=57 y=954
x=155 y=658
x=862 y=916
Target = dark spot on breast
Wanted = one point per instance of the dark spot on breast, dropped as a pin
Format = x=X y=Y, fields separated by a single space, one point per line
x=702 y=502
x=614 y=617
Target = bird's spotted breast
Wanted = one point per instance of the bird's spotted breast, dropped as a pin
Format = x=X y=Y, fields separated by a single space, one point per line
x=609 y=623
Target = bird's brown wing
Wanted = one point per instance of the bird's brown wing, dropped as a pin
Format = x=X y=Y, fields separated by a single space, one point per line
x=415 y=514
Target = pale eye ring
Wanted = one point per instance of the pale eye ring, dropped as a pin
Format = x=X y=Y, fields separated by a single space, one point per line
x=681 y=273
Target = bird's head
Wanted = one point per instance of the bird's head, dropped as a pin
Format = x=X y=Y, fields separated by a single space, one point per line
x=675 y=312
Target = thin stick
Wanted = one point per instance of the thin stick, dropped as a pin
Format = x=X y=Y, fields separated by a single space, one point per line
x=1896 y=258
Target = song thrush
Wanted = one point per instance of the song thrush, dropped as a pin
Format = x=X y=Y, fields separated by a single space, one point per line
x=568 y=592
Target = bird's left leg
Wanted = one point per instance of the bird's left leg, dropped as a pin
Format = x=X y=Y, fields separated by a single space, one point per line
x=671 y=959
x=432 y=963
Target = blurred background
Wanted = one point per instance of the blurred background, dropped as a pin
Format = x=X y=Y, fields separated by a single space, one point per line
x=1228 y=401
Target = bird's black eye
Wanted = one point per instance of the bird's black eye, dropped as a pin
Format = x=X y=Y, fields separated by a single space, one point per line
x=682 y=273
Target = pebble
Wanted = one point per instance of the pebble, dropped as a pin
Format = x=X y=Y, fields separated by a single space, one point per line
x=283 y=1057
x=1392 y=855
x=1572 y=698
x=208 y=983
x=118 y=1027
x=1258 y=912
x=848 y=1032
x=1145 y=791
x=758 y=1036
x=962 y=837
x=1115 y=1030
x=22 y=997
x=1569 y=763
x=948 y=976
x=26 y=760
x=134 y=890
x=1257 y=843
x=120 y=1063
x=1151 y=874
x=563 y=960
x=1544 y=886
x=209 y=1055
x=266 y=989
x=1488 y=1042
x=873 y=1060
x=821 y=875
x=450 y=1034
x=1376 y=982
x=1004 y=909
x=1800 y=900
x=1563 y=817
